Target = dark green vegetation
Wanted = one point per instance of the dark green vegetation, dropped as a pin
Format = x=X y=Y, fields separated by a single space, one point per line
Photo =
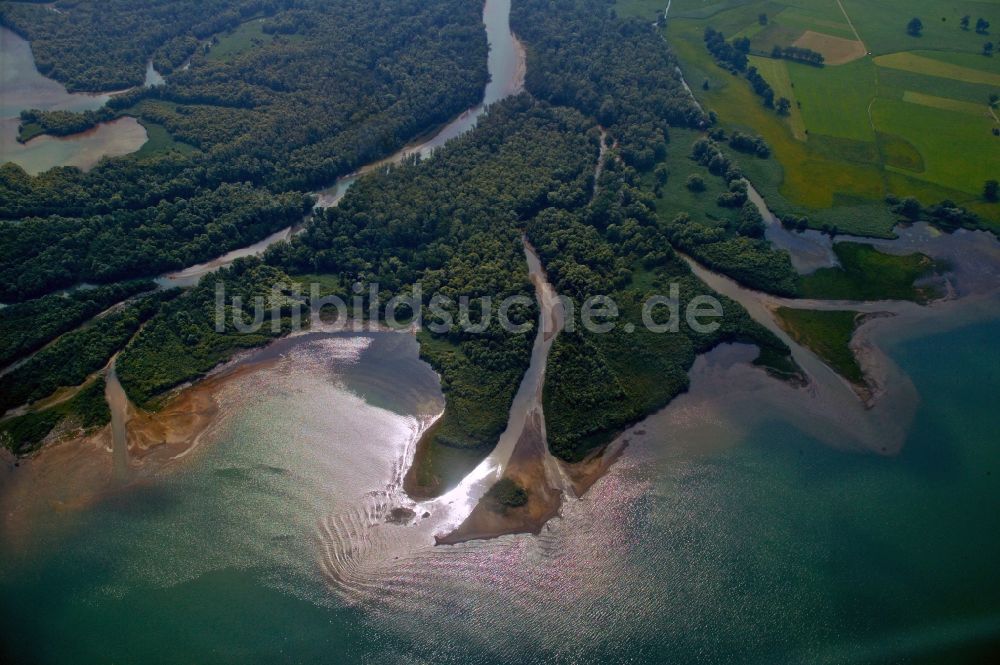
x=264 y=124
x=718 y=225
x=505 y=494
x=267 y=122
x=805 y=55
x=85 y=410
x=60 y=123
x=43 y=254
x=181 y=343
x=868 y=274
x=732 y=57
x=618 y=72
x=599 y=383
x=26 y=327
x=29 y=130
x=71 y=359
x=160 y=141
x=454 y=223
x=828 y=334
x=105 y=45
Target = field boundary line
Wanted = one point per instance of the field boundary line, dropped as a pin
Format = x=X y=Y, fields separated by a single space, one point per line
x=850 y=23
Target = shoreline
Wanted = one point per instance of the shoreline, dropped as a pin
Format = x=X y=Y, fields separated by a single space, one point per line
x=79 y=470
x=881 y=325
x=527 y=468
x=76 y=471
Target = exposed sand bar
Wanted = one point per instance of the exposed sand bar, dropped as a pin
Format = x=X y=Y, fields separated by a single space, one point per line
x=525 y=413
x=74 y=472
x=527 y=468
x=828 y=407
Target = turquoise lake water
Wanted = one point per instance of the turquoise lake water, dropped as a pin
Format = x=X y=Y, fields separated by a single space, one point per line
x=720 y=541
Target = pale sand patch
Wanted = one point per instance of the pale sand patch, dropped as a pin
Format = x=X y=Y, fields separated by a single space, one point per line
x=835 y=50
x=77 y=471
x=528 y=469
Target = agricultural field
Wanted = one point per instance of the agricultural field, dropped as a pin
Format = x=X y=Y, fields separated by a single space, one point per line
x=888 y=113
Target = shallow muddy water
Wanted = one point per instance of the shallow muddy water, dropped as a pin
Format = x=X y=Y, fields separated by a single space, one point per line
x=22 y=87
x=724 y=523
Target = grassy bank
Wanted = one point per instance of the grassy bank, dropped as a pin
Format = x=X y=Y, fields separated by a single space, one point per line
x=828 y=335
x=160 y=141
x=868 y=274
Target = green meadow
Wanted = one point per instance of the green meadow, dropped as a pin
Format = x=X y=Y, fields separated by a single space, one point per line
x=901 y=115
x=828 y=334
x=160 y=141
x=243 y=38
x=865 y=273
x=677 y=198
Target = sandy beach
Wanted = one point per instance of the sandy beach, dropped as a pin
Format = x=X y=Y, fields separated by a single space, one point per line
x=76 y=470
x=528 y=469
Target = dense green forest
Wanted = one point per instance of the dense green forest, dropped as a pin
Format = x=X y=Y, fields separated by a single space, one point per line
x=316 y=93
x=359 y=80
x=96 y=46
x=454 y=223
x=599 y=383
x=616 y=71
x=26 y=327
x=181 y=343
x=43 y=254
x=71 y=359
x=621 y=73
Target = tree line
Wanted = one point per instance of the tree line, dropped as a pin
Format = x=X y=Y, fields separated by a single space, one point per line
x=615 y=71
x=732 y=56
x=598 y=384
x=98 y=46
x=26 y=327
x=798 y=54
x=452 y=222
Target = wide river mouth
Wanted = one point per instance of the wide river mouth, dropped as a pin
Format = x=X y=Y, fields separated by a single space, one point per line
x=722 y=512
x=730 y=518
